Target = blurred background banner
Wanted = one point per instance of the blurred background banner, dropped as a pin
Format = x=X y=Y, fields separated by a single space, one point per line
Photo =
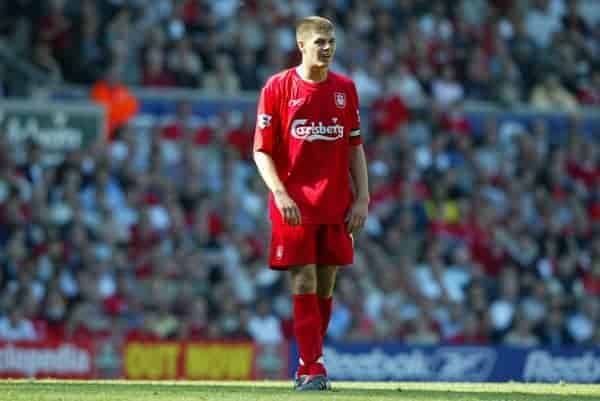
x=400 y=362
x=56 y=359
x=56 y=127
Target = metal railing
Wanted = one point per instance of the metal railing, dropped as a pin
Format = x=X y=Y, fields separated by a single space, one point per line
x=68 y=91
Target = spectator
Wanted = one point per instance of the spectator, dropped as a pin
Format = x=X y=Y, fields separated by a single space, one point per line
x=422 y=333
x=582 y=324
x=447 y=90
x=506 y=76
x=194 y=326
x=3 y=91
x=542 y=21
x=15 y=327
x=553 y=331
x=479 y=75
x=407 y=86
x=55 y=313
x=591 y=279
x=155 y=73
x=525 y=52
x=183 y=124
x=163 y=324
x=472 y=332
x=56 y=29
x=389 y=112
x=223 y=79
x=264 y=326
x=43 y=59
x=367 y=86
x=246 y=69
x=185 y=64
x=235 y=321
x=572 y=20
x=119 y=103
x=522 y=334
x=86 y=56
x=550 y=94
x=589 y=89
x=503 y=309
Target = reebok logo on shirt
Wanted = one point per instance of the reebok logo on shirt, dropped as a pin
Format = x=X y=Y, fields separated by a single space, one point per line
x=311 y=131
x=296 y=102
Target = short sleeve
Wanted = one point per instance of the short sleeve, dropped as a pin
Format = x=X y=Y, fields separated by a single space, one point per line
x=266 y=120
x=355 y=135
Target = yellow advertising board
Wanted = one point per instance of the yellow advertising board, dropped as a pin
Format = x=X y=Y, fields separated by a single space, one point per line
x=164 y=360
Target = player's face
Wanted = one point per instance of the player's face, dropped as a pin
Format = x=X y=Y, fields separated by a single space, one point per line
x=318 y=48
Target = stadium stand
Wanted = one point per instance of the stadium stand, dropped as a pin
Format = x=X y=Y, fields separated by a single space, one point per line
x=481 y=231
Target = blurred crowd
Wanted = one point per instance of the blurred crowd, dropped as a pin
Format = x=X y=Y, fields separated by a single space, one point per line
x=543 y=52
x=474 y=236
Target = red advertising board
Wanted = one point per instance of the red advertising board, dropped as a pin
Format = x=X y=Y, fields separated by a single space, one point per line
x=61 y=360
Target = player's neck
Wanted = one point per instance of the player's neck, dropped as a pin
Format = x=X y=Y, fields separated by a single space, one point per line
x=312 y=74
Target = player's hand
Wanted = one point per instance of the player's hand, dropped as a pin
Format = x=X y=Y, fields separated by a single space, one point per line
x=357 y=215
x=288 y=208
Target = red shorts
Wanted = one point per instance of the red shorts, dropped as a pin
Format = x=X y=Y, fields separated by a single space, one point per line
x=321 y=244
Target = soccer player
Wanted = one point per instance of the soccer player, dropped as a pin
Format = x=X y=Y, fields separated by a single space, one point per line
x=308 y=150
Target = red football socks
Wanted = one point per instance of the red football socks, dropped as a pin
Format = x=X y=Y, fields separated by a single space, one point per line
x=325 y=306
x=307 y=328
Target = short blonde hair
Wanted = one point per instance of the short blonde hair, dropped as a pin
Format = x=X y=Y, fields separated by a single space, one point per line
x=313 y=24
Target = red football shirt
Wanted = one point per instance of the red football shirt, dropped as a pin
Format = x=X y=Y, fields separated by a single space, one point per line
x=308 y=129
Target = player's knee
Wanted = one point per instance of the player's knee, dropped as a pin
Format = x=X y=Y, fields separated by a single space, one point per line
x=325 y=290
x=304 y=280
x=326 y=280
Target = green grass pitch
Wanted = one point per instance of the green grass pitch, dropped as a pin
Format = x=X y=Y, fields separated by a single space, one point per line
x=57 y=390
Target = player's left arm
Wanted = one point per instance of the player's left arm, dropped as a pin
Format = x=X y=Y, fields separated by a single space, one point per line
x=357 y=216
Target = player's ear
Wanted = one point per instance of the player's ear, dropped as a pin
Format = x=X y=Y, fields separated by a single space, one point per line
x=302 y=39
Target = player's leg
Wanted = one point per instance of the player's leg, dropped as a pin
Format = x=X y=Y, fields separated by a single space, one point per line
x=311 y=374
x=293 y=248
x=326 y=275
x=325 y=283
x=325 y=280
x=307 y=319
x=334 y=248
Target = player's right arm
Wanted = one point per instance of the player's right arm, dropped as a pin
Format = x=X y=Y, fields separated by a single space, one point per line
x=268 y=126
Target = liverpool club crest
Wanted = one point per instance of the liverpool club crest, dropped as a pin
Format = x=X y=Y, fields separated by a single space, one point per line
x=340 y=99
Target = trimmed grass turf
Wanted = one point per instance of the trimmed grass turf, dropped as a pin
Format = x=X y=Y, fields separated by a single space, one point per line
x=56 y=390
